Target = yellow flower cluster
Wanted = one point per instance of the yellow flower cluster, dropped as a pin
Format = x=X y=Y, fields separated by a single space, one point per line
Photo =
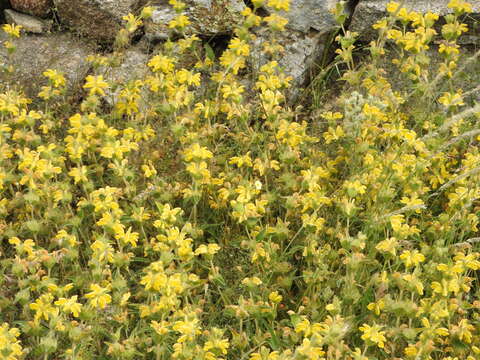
x=192 y=214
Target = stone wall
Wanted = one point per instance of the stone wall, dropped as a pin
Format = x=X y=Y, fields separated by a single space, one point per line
x=311 y=23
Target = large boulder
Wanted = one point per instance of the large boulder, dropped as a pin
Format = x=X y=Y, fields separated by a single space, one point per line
x=310 y=15
x=96 y=19
x=41 y=8
x=27 y=22
x=310 y=24
x=208 y=18
x=368 y=12
x=131 y=66
x=37 y=53
x=302 y=53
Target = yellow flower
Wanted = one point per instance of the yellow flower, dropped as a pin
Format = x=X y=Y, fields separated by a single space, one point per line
x=149 y=170
x=388 y=246
x=229 y=60
x=96 y=84
x=187 y=77
x=442 y=331
x=376 y=307
x=460 y=6
x=98 y=297
x=276 y=22
x=310 y=351
x=400 y=228
x=449 y=99
x=392 y=7
x=147 y=12
x=132 y=22
x=452 y=31
x=280 y=4
x=179 y=22
x=57 y=79
x=12 y=30
x=469 y=261
x=333 y=134
x=413 y=283
x=463 y=331
x=275 y=297
x=161 y=63
x=161 y=328
x=43 y=307
x=354 y=188
x=240 y=161
x=155 y=279
x=126 y=237
x=251 y=19
x=196 y=152
x=79 y=174
x=232 y=91
x=221 y=344
x=380 y=25
x=177 y=5
x=413 y=201
x=240 y=47
x=430 y=19
x=252 y=282
x=373 y=334
x=412 y=258
x=70 y=305
x=331 y=116
x=410 y=351
x=188 y=328
x=10 y=347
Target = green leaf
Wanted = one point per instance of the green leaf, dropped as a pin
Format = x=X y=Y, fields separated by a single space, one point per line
x=209 y=52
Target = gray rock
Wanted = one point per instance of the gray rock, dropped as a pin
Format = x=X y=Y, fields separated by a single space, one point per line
x=40 y=8
x=368 y=12
x=28 y=22
x=302 y=52
x=37 y=53
x=132 y=66
x=307 y=15
x=156 y=29
x=97 y=19
x=208 y=17
x=310 y=23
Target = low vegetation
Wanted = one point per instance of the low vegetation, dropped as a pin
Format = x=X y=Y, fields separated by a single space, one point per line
x=189 y=215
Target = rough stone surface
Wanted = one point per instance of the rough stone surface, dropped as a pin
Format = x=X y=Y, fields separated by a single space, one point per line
x=368 y=12
x=310 y=22
x=41 y=8
x=311 y=15
x=97 y=19
x=208 y=17
x=37 y=53
x=28 y=22
x=302 y=52
x=132 y=66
